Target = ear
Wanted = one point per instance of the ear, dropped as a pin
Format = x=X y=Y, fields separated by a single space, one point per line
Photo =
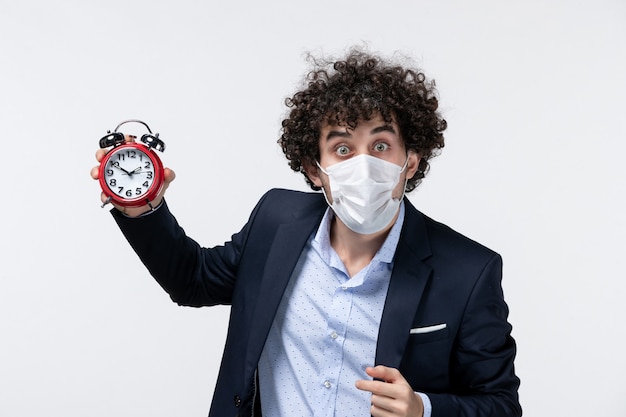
x=313 y=172
x=413 y=163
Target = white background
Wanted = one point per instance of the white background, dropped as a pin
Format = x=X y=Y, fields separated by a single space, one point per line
x=533 y=167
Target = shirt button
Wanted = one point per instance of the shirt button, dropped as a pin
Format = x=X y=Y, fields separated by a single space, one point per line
x=344 y=288
x=333 y=335
x=327 y=384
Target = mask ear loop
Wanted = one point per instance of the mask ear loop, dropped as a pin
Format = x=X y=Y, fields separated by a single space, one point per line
x=320 y=167
x=406 y=178
x=406 y=163
x=323 y=189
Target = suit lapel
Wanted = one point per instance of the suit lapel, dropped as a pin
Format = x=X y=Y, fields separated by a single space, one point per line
x=408 y=281
x=283 y=255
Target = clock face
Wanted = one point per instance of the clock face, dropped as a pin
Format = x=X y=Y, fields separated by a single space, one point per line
x=130 y=174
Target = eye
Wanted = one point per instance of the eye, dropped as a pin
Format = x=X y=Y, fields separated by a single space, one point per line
x=342 y=150
x=381 y=147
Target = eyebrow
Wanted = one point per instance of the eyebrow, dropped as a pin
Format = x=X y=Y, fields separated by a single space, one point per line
x=345 y=134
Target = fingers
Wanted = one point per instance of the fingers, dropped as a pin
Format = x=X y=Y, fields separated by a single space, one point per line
x=94 y=172
x=408 y=406
x=100 y=153
x=384 y=406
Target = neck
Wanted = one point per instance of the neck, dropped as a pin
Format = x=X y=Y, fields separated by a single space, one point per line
x=356 y=250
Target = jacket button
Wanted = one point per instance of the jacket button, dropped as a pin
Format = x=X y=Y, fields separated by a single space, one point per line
x=237 y=401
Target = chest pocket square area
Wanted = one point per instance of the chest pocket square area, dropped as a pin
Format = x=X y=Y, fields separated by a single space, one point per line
x=430 y=333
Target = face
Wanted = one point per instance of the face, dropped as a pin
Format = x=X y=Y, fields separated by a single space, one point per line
x=373 y=137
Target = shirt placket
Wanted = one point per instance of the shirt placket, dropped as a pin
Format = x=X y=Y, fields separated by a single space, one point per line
x=336 y=325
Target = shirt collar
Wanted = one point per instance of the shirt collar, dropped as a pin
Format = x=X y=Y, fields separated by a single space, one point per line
x=321 y=241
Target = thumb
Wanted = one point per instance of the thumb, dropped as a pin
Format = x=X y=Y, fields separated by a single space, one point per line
x=168 y=176
x=385 y=373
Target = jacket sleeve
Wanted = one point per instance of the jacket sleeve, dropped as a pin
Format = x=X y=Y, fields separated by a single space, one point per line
x=482 y=370
x=190 y=274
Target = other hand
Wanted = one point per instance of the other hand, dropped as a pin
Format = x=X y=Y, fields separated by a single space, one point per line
x=391 y=394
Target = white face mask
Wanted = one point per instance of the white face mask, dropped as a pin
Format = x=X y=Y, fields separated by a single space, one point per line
x=361 y=189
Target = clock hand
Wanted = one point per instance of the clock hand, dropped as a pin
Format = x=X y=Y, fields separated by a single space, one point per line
x=117 y=165
x=135 y=171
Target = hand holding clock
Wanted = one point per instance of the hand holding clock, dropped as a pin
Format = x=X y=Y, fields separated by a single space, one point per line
x=168 y=177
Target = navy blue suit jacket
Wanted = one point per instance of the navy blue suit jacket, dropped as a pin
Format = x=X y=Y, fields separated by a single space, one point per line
x=439 y=278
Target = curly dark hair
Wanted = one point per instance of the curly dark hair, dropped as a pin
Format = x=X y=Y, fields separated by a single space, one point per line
x=356 y=88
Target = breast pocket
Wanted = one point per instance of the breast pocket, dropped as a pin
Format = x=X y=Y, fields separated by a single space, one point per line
x=426 y=359
x=428 y=334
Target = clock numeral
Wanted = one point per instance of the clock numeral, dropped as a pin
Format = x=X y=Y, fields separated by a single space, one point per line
x=109 y=172
x=147 y=166
x=131 y=154
x=138 y=191
x=120 y=157
x=129 y=193
x=112 y=182
x=149 y=175
x=120 y=189
x=145 y=184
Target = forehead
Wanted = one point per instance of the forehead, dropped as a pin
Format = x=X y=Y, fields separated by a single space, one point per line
x=348 y=118
x=373 y=126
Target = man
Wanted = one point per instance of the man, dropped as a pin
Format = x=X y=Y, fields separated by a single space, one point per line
x=350 y=301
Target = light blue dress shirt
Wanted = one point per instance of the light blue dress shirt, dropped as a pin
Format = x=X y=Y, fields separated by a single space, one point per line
x=325 y=331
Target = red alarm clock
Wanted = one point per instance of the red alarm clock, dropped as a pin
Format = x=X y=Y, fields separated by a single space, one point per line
x=131 y=174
